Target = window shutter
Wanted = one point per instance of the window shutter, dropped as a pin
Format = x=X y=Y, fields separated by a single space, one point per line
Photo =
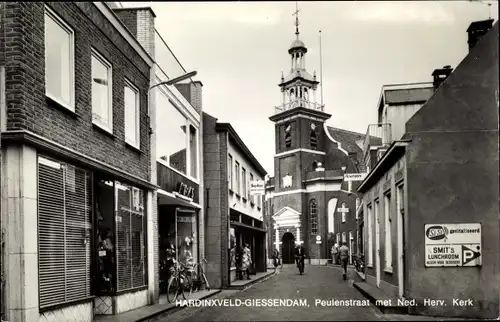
x=64 y=212
x=130 y=238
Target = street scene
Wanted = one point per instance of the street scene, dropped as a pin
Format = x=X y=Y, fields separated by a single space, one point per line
x=249 y=161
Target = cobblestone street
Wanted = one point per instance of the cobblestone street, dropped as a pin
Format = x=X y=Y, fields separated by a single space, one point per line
x=318 y=283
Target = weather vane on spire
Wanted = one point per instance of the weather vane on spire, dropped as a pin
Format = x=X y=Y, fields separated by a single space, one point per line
x=296 y=14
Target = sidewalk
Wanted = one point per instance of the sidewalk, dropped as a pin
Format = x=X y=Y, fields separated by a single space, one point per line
x=152 y=311
x=243 y=284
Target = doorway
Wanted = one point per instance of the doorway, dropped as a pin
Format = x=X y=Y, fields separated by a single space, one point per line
x=377 y=242
x=287 y=248
x=401 y=245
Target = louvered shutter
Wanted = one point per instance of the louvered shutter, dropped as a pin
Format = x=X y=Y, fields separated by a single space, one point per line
x=64 y=212
x=130 y=254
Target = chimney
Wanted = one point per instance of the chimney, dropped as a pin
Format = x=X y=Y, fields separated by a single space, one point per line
x=477 y=30
x=141 y=23
x=192 y=92
x=440 y=75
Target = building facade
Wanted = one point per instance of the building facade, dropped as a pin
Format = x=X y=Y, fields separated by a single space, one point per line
x=311 y=199
x=431 y=200
x=177 y=158
x=75 y=133
x=234 y=217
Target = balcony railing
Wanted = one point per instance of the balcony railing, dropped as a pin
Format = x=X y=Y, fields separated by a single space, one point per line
x=299 y=102
x=377 y=135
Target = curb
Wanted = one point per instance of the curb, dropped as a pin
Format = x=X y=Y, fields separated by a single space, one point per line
x=173 y=308
x=402 y=310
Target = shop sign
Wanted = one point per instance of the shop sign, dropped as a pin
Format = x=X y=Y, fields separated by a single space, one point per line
x=453 y=245
x=187 y=219
x=257 y=187
x=354 y=176
x=185 y=190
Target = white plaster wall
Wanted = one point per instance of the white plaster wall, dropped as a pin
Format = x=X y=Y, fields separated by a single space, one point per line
x=398 y=116
x=76 y=313
x=239 y=204
x=131 y=301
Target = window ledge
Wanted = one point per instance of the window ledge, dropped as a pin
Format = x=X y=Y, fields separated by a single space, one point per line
x=231 y=192
x=103 y=130
x=258 y=208
x=369 y=265
x=232 y=268
x=238 y=195
x=62 y=107
x=133 y=147
x=388 y=270
x=244 y=199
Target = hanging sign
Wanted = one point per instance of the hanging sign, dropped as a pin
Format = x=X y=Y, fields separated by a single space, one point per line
x=257 y=187
x=453 y=245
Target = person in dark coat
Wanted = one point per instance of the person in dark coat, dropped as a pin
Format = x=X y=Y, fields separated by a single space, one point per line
x=300 y=255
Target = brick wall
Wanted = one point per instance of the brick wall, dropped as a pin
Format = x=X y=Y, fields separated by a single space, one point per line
x=192 y=92
x=27 y=107
x=129 y=18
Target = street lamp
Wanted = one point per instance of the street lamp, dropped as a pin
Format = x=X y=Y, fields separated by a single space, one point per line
x=172 y=82
x=176 y=80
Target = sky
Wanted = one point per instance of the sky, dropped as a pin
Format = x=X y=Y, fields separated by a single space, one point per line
x=240 y=49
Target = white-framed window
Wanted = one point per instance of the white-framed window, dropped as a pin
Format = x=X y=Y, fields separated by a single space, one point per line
x=182 y=153
x=337 y=238
x=102 y=92
x=349 y=186
x=387 y=229
x=230 y=170
x=244 y=182
x=357 y=207
x=344 y=238
x=237 y=176
x=59 y=60
x=251 y=197
x=132 y=114
x=369 y=218
x=344 y=214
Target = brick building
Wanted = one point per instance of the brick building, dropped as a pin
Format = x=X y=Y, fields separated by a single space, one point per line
x=233 y=216
x=430 y=201
x=76 y=145
x=308 y=200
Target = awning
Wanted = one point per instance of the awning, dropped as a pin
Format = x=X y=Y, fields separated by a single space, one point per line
x=238 y=224
x=169 y=198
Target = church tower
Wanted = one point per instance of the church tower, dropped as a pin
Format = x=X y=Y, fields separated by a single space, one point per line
x=300 y=150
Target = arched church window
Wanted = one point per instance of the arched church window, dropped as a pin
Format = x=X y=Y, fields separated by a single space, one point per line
x=288 y=135
x=306 y=94
x=313 y=216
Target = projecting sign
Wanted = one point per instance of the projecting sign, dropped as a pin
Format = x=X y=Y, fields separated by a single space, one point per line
x=257 y=187
x=453 y=245
x=318 y=237
x=354 y=176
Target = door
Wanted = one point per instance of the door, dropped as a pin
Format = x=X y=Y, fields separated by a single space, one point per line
x=288 y=248
x=377 y=242
x=401 y=244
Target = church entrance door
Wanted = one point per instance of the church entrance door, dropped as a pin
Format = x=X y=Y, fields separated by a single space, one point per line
x=288 y=248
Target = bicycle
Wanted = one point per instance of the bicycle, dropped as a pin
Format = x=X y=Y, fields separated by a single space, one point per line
x=178 y=283
x=198 y=279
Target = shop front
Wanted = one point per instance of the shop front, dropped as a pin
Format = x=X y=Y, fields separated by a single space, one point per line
x=178 y=223
x=245 y=230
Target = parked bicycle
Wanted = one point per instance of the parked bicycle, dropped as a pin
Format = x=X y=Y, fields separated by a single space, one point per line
x=198 y=276
x=179 y=283
x=359 y=263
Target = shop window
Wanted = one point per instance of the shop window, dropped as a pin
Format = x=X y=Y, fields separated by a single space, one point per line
x=64 y=238
x=313 y=217
x=232 y=248
x=187 y=242
x=121 y=245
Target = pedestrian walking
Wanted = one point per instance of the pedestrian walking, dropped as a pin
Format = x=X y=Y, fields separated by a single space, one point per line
x=246 y=261
x=344 y=257
x=300 y=258
x=276 y=259
x=335 y=252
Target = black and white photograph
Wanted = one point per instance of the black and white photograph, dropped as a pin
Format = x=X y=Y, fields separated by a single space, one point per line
x=190 y=161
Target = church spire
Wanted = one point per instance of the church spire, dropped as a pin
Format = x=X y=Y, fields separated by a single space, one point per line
x=296 y=14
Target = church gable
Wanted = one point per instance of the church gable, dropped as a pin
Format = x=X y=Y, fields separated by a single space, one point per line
x=287 y=216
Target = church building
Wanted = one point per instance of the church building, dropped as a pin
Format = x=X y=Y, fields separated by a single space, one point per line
x=311 y=200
